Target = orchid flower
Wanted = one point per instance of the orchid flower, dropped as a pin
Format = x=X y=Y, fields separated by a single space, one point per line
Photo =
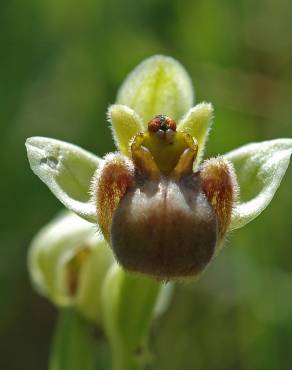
x=162 y=210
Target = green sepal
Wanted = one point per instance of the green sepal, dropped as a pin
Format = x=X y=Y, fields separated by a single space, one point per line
x=67 y=170
x=259 y=168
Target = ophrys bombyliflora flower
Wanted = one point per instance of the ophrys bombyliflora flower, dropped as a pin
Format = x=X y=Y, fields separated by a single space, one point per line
x=162 y=210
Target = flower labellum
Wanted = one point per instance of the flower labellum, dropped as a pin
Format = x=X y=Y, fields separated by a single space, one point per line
x=160 y=216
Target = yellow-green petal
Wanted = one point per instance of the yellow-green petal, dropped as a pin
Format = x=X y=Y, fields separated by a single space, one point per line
x=159 y=85
x=197 y=122
x=125 y=124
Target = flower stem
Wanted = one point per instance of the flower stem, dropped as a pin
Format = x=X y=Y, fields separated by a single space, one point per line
x=125 y=361
x=73 y=347
x=128 y=303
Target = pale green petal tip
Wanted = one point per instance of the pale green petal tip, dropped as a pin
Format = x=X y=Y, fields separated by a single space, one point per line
x=197 y=122
x=125 y=124
x=158 y=85
x=260 y=168
x=67 y=170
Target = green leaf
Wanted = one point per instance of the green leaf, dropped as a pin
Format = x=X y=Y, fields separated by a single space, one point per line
x=73 y=344
x=67 y=170
x=197 y=122
x=128 y=302
x=125 y=125
x=260 y=168
x=159 y=85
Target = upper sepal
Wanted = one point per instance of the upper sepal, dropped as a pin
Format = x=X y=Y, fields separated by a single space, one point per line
x=159 y=85
x=260 y=168
x=67 y=170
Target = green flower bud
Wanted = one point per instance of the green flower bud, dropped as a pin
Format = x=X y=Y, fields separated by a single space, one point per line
x=68 y=261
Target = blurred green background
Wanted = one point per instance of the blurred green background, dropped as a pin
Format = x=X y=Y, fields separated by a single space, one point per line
x=61 y=64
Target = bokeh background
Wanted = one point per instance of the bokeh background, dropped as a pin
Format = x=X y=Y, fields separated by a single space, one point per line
x=61 y=64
